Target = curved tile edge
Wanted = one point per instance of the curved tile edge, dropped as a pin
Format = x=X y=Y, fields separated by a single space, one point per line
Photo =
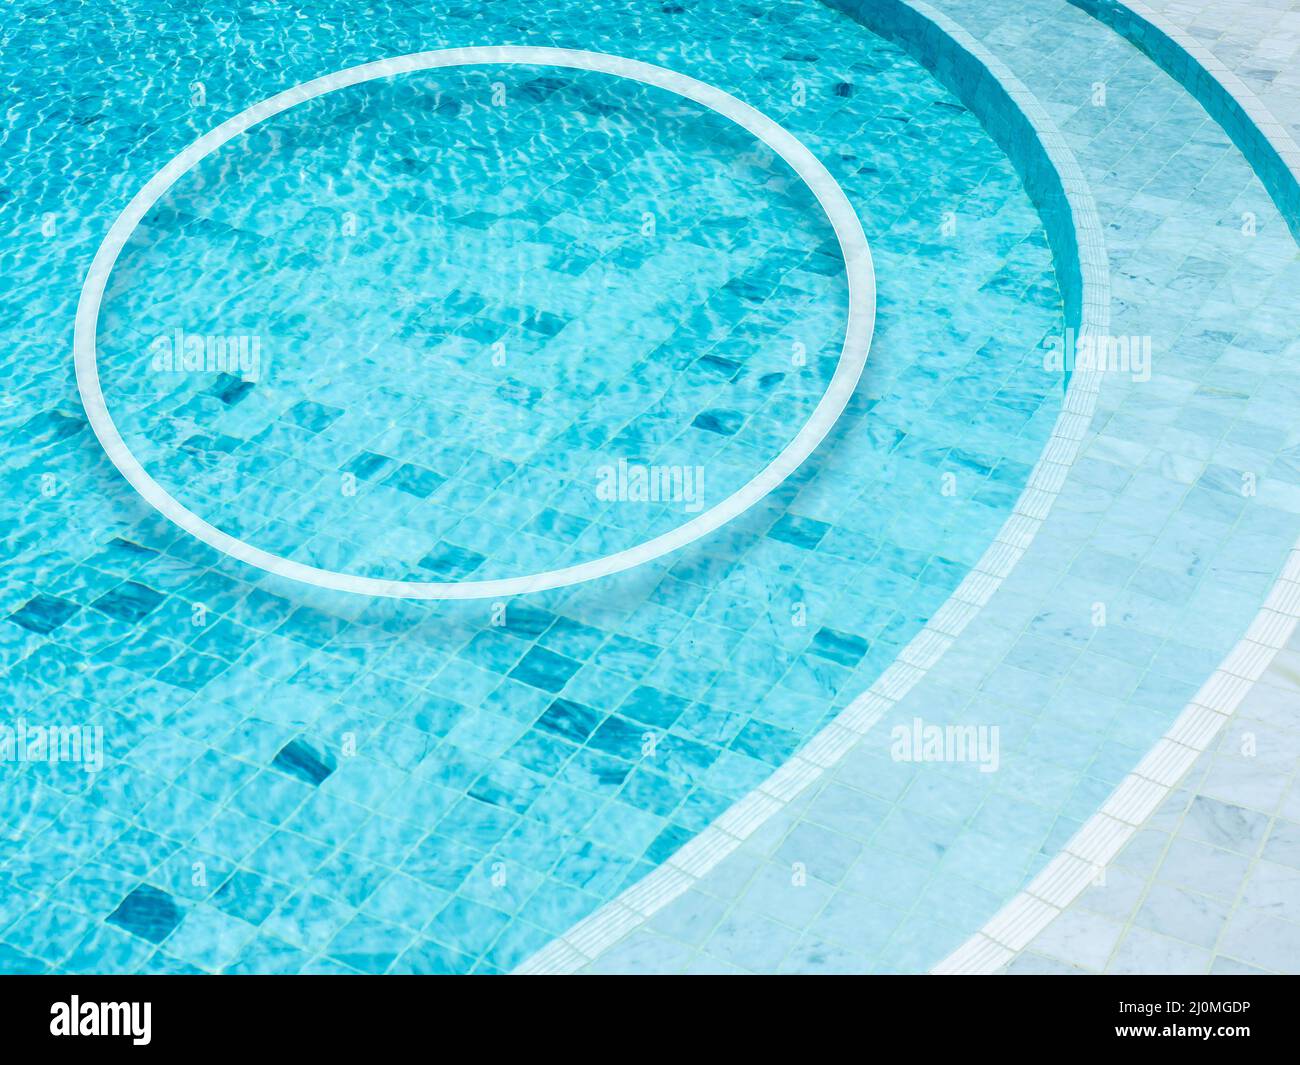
x=1267 y=146
x=1056 y=185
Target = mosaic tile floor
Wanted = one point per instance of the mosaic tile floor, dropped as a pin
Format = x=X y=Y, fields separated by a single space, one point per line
x=469 y=293
x=888 y=866
x=295 y=781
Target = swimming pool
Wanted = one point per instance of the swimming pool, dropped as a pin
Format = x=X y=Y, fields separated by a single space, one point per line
x=468 y=324
x=665 y=296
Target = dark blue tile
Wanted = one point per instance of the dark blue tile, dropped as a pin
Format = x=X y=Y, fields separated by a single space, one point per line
x=230 y=389
x=451 y=562
x=127 y=551
x=481 y=330
x=545 y=323
x=840 y=647
x=539 y=89
x=129 y=602
x=298 y=759
x=43 y=613
x=716 y=364
x=801 y=532
x=722 y=422
x=148 y=913
x=368 y=466
x=212 y=442
x=314 y=417
x=667 y=843
x=48 y=427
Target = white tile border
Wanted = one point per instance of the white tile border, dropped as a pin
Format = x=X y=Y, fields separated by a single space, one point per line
x=1140 y=793
x=1136 y=798
x=587 y=939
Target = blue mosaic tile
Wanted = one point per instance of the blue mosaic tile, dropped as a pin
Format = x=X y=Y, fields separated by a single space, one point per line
x=439 y=787
x=298 y=759
x=43 y=613
x=148 y=913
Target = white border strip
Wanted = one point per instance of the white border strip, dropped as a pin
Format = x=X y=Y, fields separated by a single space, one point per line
x=587 y=939
x=843 y=383
x=1140 y=793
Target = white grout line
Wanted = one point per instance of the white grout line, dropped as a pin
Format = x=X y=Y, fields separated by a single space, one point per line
x=584 y=942
x=1140 y=793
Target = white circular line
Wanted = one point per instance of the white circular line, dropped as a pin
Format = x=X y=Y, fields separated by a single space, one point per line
x=853 y=354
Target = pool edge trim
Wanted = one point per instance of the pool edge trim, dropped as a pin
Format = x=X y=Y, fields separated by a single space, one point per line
x=589 y=938
x=1257 y=133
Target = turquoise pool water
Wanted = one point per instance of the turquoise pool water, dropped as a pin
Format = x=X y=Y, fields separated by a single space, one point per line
x=502 y=295
x=470 y=291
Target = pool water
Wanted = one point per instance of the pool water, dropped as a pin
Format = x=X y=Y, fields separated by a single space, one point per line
x=496 y=286
x=465 y=309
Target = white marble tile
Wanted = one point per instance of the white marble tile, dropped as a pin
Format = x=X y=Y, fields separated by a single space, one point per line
x=1257 y=939
x=1209 y=870
x=1079 y=938
x=1183 y=914
x=1143 y=951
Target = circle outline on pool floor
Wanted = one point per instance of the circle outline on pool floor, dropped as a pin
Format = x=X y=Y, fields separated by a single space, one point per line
x=829 y=195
